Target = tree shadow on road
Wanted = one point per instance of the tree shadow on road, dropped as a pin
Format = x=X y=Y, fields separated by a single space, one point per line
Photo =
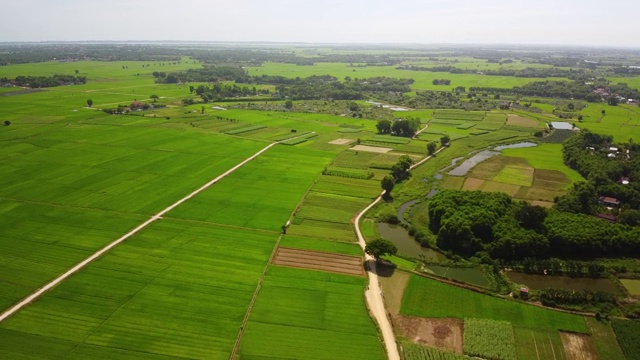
x=382 y=268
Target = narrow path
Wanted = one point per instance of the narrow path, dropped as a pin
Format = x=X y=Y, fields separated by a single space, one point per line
x=115 y=243
x=419 y=131
x=373 y=294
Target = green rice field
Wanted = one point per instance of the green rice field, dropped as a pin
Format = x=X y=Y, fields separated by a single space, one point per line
x=429 y=298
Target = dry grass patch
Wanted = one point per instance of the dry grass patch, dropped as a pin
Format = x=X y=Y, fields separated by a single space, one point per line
x=373 y=149
x=517 y=120
x=443 y=333
x=393 y=288
x=473 y=184
x=578 y=346
x=341 y=141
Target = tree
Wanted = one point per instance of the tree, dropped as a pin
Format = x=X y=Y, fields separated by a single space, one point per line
x=77 y=71
x=202 y=110
x=288 y=104
x=445 y=140
x=191 y=89
x=387 y=183
x=612 y=100
x=603 y=112
x=383 y=126
x=380 y=247
x=7 y=123
x=90 y=102
x=154 y=97
x=431 y=148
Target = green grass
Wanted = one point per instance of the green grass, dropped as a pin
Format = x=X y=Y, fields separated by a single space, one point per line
x=514 y=175
x=245 y=129
x=489 y=339
x=632 y=286
x=627 y=334
x=148 y=295
x=605 y=339
x=306 y=243
x=534 y=344
x=262 y=194
x=311 y=315
x=416 y=352
x=429 y=298
x=545 y=156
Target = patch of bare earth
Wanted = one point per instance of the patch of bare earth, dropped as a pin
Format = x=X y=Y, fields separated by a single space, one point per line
x=445 y=334
x=317 y=260
x=578 y=346
x=517 y=120
x=374 y=149
x=473 y=184
x=393 y=289
x=341 y=141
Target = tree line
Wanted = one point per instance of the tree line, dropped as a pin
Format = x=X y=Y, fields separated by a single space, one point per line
x=472 y=223
x=45 y=81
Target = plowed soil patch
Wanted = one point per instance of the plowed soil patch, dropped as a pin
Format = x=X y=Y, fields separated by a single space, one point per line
x=316 y=260
x=578 y=346
x=445 y=334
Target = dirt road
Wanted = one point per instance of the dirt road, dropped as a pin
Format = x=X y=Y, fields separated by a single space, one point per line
x=374 y=295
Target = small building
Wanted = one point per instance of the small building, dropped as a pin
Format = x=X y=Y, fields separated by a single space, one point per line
x=613 y=149
x=524 y=293
x=624 y=181
x=609 y=201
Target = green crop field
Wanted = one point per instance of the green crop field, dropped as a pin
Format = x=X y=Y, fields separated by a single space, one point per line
x=545 y=156
x=627 y=334
x=489 y=339
x=416 y=352
x=429 y=298
x=311 y=315
x=632 y=286
x=148 y=297
x=534 y=344
x=605 y=339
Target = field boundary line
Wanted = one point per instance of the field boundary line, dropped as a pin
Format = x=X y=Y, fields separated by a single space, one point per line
x=12 y=310
x=236 y=346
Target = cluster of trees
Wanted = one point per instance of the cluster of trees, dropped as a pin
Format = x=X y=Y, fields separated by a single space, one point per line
x=441 y=82
x=45 y=81
x=328 y=87
x=558 y=89
x=219 y=92
x=554 y=297
x=473 y=222
x=447 y=100
x=589 y=154
x=555 y=266
x=401 y=127
x=528 y=72
x=399 y=172
x=209 y=73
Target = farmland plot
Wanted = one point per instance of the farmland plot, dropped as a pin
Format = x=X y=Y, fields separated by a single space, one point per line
x=311 y=315
x=175 y=289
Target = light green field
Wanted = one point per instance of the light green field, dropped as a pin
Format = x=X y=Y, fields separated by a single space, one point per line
x=545 y=156
x=147 y=298
x=632 y=286
x=430 y=298
x=423 y=79
x=311 y=315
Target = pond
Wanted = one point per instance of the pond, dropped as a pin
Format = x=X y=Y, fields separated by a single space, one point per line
x=470 y=163
x=483 y=155
x=539 y=282
x=463 y=274
x=406 y=244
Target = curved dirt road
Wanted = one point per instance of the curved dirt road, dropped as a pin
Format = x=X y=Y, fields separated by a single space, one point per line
x=374 y=294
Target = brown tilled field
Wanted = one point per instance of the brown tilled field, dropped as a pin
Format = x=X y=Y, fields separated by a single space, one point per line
x=445 y=334
x=316 y=260
x=517 y=120
x=578 y=346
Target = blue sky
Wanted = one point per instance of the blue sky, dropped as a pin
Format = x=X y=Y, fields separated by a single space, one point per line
x=558 y=22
